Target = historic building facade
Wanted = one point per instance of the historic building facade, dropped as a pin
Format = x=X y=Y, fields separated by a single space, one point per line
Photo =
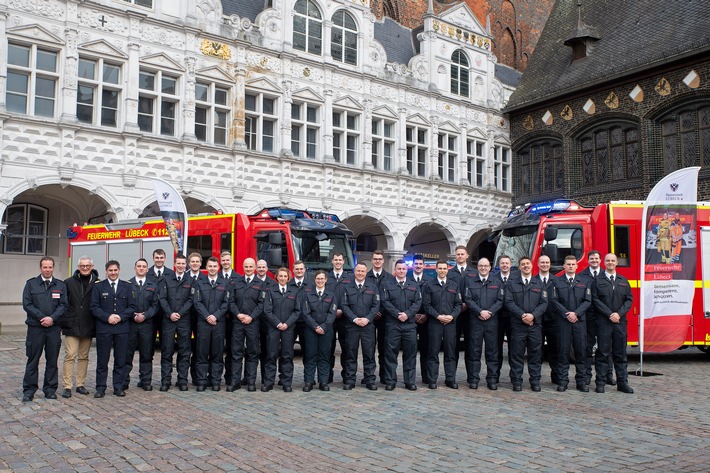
x=616 y=97
x=246 y=104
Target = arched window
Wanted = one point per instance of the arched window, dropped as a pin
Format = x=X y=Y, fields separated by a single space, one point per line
x=685 y=137
x=307 y=27
x=459 y=74
x=26 y=232
x=610 y=153
x=542 y=168
x=343 y=38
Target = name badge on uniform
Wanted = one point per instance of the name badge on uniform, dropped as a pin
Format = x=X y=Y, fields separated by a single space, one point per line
x=56 y=295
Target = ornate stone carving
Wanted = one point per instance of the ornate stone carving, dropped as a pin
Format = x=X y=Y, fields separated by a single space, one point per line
x=162 y=36
x=45 y=8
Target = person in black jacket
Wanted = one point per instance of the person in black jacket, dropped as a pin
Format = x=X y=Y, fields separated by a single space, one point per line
x=78 y=325
x=612 y=300
x=113 y=306
x=176 y=301
x=442 y=304
x=44 y=299
x=319 y=308
x=417 y=275
x=281 y=311
x=338 y=278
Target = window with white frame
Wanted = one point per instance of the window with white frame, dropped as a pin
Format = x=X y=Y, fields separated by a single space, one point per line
x=382 y=143
x=158 y=102
x=260 y=122
x=475 y=162
x=502 y=168
x=459 y=74
x=26 y=231
x=141 y=3
x=98 y=92
x=211 y=112
x=346 y=136
x=447 y=156
x=307 y=27
x=343 y=38
x=305 y=129
x=417 y=150
x=31 y=80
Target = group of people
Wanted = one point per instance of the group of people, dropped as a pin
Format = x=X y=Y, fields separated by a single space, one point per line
x=245 y=321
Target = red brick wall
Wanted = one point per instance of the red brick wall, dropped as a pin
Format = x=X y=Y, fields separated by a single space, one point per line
x=515 y=24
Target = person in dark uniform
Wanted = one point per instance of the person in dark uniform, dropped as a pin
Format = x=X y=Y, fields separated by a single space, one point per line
x=442 y=304
x=503 y=276
x=484 y=298
x=526 y=300
x=155 y=274
x=612 y=300
x=266 y=283
x=376 y=276
x=44 y=299
x=458 y=274
x=549 y=318
x=211 y=300
x=337 y=279
x=302 y=283
x=194 y=262
x=361 y=302
x=229 y=275
x=245 y=308
x=176 y=304
x=140 y=334
x=589 y=276
x=400 y=301
x=573 y=298
x=113 y=305
x=420 y=318
x=319 y=309
x=281 y=311
x=78 y=325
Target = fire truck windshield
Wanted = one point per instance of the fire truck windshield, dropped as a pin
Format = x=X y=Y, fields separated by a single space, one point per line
x=516 y=242
x=315 y=249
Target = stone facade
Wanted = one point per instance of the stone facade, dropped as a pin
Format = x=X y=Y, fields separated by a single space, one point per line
x=238 y=118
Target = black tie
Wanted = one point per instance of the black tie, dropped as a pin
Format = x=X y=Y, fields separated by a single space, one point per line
x=401 y=284
x=571 y=281
x=544 y=280
x=113 y=287
x=505 y=279
x=319 y=294
x=483 y=281
x=611 y=278
x=595 y=273
x=160 y=273
x=248 y=281
x=194 y=278
x=213 y=282
x=283 y=290
x=442 y=283
x=298 y=284
x=419 y=280
x=46 y=283
x=359 y=286
x=337 y=277
x=179 y=279
x=526 y=281
x=461 y=269
x=140 y=284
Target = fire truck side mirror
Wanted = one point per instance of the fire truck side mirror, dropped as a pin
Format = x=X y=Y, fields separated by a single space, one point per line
x=276 y=238
x=275 y=257
x=550 y=233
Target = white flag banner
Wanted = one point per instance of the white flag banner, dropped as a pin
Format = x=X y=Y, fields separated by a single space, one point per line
x=668 y=261
x=174 y=213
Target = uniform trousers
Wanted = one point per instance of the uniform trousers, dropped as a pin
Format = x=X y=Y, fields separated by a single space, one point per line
x=611 y=342
x=210 y=351
x=480 y=332
x=173 y=333
x=503 y=334
x=442 y=336
x=76 y=352
x=339 y=333
x=141 y=338
x=105 y=342
x=404 y=336
x=316 y=355
x=279 y=349
x=381 y=346
x=248 y=356
x=574 y=335
x=549 y=336
x=591 y=342
x=357 y=336
x=423 y=346
x=49 y=341
x=525 y=337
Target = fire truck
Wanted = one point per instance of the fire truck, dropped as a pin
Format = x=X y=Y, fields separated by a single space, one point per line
x=278 y=235
x=564 y=227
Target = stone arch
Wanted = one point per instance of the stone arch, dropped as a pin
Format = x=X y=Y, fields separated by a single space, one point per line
x=432 y=239
x=478 y=245
x=507 y=53
x=196 y=203
x=367 y=227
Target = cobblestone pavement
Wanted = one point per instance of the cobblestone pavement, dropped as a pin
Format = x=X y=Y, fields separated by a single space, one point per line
x=662 y=427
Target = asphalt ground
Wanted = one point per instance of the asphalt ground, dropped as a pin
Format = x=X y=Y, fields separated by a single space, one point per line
x=663 y=427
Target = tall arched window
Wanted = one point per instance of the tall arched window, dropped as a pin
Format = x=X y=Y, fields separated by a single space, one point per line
x=307 y=27
x=685 y=137
x=343 y=38
x=459 y=74
x=610 y=153
x=541 y=168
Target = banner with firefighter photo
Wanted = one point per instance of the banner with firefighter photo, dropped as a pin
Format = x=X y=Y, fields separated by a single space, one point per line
x=668 y=264
x=174 y=213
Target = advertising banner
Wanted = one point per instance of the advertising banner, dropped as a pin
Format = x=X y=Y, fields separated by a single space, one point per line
x=174 y=213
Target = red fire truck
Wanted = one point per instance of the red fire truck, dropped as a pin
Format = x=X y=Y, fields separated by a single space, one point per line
x=563 y=227
x=279 y=236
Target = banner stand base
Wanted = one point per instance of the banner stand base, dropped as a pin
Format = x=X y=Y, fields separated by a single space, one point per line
x=645 y=373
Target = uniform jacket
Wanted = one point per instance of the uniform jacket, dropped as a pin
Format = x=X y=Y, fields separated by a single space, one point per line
x=521 y=299
x=166 y=272
x=209 y=300
x=550 y=313
x=608 y=297
x=147 y=297
x=77 y=320
x=479 y=296
x=575 y=297
x=247 y=299
x=39 y=301
x=336 y=287
x=459 y=278
x=104 y=303
x=319 y=311
x=440 y=300
x=364 y=302
x=384 y=276
x=176 y=297
x=281 y=308
x=395 y=299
